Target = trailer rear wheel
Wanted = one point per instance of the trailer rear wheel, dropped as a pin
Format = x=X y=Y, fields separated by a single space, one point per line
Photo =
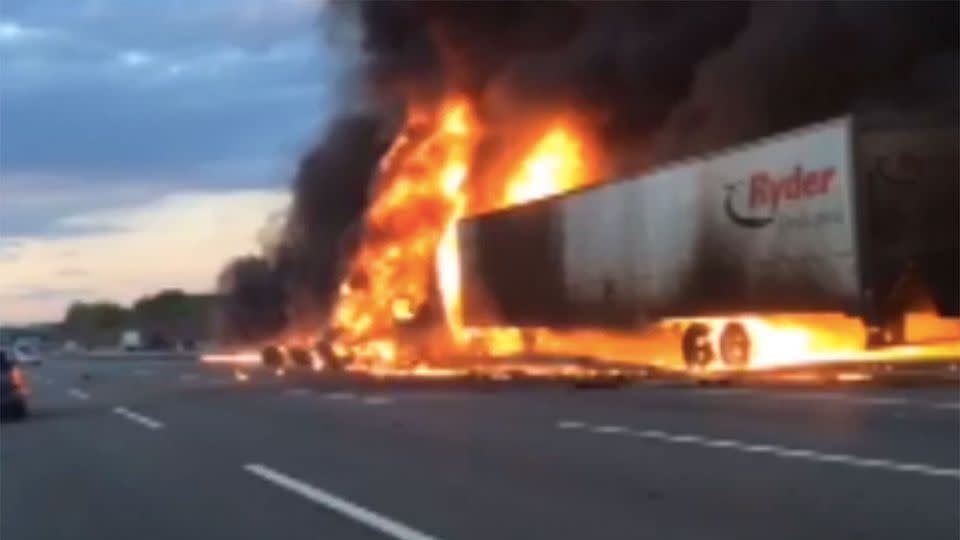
x=331 y=360
x=735 y=345
x=300 y=357
x=271 y=356
x=697 y=349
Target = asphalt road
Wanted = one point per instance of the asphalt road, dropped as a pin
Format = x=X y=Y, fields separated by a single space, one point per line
x=124 y=448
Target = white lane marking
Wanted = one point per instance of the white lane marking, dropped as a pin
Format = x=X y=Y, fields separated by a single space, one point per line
x=364 y=516
x=138 y=418
x=189 y=376
x=79 y=394
x=722 y=391
x=769 y=449
x=297 y=391
x=947 y=405
x=608 y=429
x=340 y=395
x=826 y=396
x=377 y=400
x=143 y=372
x=810 y=396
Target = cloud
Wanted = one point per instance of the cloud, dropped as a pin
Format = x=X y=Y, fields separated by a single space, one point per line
x=131 y=89
x=134 y=58
x=14 y=33
x=127 y=125
x=137 y=110
x=180 y=240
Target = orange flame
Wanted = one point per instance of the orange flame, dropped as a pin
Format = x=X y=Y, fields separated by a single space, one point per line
x=556 y=164
x=420 y=199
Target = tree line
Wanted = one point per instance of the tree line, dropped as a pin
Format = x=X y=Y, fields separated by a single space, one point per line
x=165 y=319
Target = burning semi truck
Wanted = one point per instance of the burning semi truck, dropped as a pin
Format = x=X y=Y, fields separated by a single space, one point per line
x=855 y=216
x=797 y=248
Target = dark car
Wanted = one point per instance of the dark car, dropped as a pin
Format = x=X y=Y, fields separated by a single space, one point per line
x=13 y=388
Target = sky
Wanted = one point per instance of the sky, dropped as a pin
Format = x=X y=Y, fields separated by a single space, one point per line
x=145 y=142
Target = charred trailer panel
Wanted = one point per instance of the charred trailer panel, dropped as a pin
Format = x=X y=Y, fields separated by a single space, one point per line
x=512 y=267
x=908 y=168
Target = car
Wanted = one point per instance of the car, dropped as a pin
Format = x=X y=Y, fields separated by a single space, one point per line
x=25 y=353
x=13 y=388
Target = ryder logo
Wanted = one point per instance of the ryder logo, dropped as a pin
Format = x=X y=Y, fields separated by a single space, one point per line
x=768 y=192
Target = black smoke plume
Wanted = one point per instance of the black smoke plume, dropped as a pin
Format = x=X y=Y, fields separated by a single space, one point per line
x=288 y=287
x=655 y=80
x=252 y=302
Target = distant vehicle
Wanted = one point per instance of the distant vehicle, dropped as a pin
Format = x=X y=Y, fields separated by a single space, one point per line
x=25 y=353
x=13 y=388
x=847 y=216
x=130 y=340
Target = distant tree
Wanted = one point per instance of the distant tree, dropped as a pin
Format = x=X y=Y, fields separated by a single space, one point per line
x=165 y=318
x=173 y=316
x=97 y=323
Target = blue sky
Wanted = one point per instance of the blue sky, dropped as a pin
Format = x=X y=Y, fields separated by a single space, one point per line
x=111 y=111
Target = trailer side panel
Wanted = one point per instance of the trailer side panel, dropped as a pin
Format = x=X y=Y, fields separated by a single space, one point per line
x=766 y=227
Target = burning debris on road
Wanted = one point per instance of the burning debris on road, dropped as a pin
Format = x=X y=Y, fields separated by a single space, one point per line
x=477 y=107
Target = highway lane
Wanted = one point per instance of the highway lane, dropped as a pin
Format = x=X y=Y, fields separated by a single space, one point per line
x=294 y=457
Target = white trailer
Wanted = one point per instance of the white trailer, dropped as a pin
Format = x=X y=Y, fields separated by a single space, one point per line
x=844 y=216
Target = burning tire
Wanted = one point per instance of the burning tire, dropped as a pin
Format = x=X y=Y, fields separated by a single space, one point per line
x=893 y=332
x=271 y=356
x=300 y=357
x=696 y=346
x=734 y=345
x=331 y=360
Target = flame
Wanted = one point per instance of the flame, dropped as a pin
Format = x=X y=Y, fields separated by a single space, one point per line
x=409 y=252
x=448 y=270
x=419 y=201
x=555 y=165
x=243 y=357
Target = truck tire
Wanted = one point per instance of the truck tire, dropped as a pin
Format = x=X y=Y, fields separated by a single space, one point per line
x=892 y=332
x=300 y=357
x=734 y=344
x=696 y=346
x=272 y=356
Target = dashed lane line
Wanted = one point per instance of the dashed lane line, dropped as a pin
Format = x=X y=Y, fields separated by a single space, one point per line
x=947 y=405
x=79 y=394
x=348 y=509
x=145 y=421
x=765 y=449
x=824 y=396
x=338 y=396
x=377 y=400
